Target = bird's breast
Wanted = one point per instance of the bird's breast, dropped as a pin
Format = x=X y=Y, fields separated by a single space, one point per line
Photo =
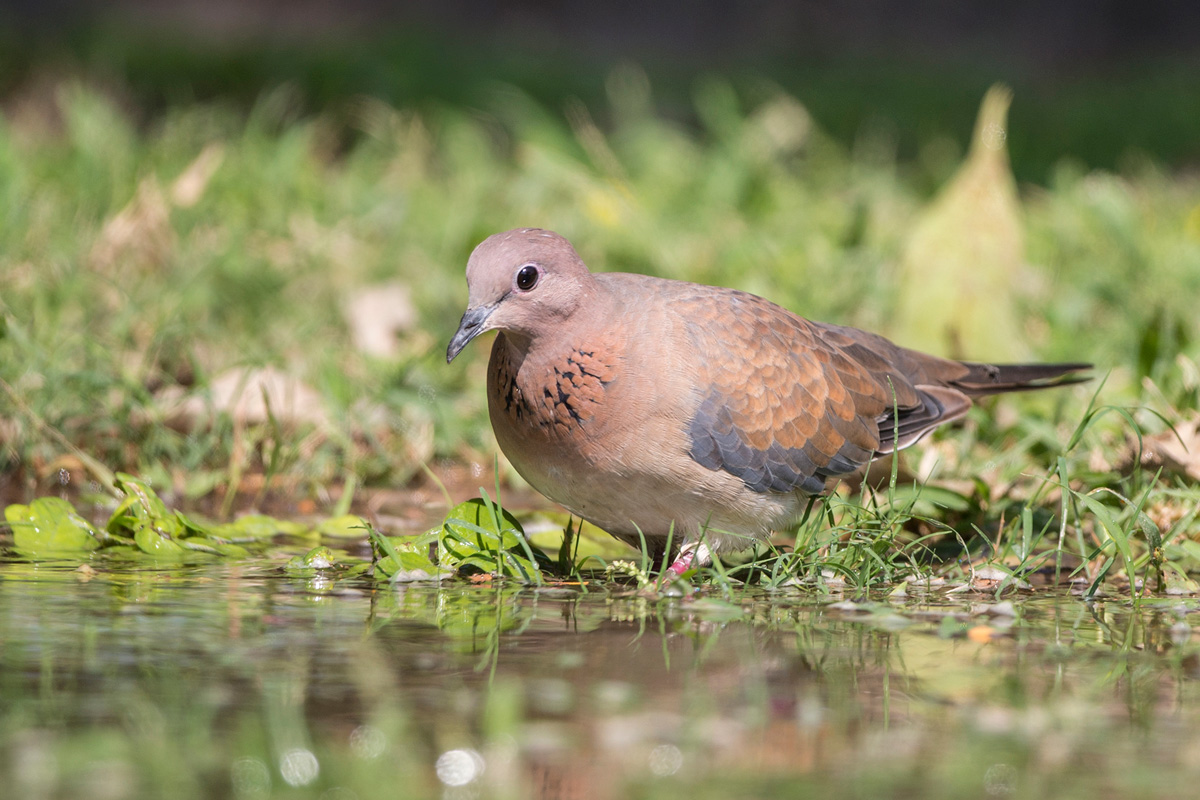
x=558 y=398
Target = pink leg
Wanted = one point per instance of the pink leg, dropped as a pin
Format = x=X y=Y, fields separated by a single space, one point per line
x=682 y=564
x=690 y=555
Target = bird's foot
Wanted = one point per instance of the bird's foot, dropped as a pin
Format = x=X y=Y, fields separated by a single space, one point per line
x=692 y=554
x=680 y=565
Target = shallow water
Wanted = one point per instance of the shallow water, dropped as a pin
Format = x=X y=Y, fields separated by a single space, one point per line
x=235 y=680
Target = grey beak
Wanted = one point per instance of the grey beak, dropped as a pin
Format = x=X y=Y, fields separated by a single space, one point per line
x=470 y=327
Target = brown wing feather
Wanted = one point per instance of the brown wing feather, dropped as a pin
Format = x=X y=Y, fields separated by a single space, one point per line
x=786 y=403
x=783 y=406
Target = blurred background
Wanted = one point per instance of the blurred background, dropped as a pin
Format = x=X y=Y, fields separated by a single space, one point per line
x=1096 y=79
x=232 y=234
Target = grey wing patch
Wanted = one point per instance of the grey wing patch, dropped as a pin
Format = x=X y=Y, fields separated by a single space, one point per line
x=718 y=445
x=899 y=429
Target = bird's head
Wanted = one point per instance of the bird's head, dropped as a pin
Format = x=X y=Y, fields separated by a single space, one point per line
x=522 y=282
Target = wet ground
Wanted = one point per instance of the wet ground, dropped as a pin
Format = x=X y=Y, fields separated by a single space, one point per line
x=236 y=680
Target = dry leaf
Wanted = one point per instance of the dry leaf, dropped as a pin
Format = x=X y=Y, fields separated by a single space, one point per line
x=377 y=315
x=246 y=394
x=190 y=185
x=1175 y=450
x=140 y=234
x=964 y=261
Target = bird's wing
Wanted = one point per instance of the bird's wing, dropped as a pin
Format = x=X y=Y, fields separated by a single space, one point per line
x=784 y=403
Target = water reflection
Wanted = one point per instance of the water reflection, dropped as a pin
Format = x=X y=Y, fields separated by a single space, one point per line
x=236 y=681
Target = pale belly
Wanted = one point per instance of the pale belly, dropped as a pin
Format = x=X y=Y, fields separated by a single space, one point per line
x=633 y=501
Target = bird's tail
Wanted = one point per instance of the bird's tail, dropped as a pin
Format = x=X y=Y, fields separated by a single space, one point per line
x=984 y=379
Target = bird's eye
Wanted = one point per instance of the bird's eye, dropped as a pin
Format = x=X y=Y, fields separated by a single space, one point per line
x=527 y=277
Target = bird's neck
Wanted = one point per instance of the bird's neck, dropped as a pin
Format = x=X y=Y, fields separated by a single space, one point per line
x=575 y=328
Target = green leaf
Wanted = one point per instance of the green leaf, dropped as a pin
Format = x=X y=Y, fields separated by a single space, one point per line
x=318 y=558
x=204 y=544
x=1178 y=583
x=257 y=526
x=153 y=543
x=406 y=567
x=406 y=558
x=193 y=527
x=50 y=525
x=484 y=524
x=347 y=526
x=141 y=509
x=481 y=535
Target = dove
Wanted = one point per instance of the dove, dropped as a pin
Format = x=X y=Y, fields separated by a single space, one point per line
x=665 y=411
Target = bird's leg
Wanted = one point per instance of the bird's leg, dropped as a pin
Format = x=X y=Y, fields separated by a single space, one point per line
x=692 y=554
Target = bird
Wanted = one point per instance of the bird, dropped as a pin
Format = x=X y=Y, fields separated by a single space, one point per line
x=663 y=411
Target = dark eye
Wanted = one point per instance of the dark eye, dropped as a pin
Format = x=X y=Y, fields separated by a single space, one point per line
x=527 y=277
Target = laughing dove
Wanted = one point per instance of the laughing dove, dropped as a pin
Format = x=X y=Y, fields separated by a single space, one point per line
x=656 y=408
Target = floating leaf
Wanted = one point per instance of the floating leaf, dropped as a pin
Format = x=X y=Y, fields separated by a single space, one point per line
x=486 y=523
x=191 y=526
x=144 y=515
x=50 y=525
x=587 y=541
x=317 y=558
x=216 y=547
x=1179 y=584
x=258 y=526
x=142 y=509
x=347 y=526
x=480 y=534
x=408 y=567
x=153 y=543
x=406 y=559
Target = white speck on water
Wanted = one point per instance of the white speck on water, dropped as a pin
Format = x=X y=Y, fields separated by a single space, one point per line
x=810 y=713
x=367 y=742
x=459 y=767
x=299 y=767
x=1000 y=780
x=665 y=760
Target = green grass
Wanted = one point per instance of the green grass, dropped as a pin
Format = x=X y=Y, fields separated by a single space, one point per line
x=120 y=286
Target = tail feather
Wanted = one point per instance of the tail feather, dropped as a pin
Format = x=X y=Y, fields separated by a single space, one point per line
x=985 y=379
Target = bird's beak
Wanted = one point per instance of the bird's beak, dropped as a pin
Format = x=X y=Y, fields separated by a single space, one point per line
x=471 y=326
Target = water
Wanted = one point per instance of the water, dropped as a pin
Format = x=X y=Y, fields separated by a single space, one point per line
x=234 y=680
